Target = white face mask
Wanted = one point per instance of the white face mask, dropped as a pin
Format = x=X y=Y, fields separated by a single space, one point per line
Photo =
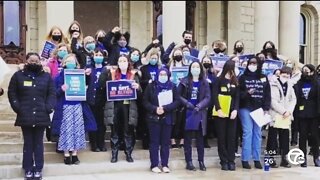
x=289 y=65
x=252 y=68
x=123 y=65
x=283 y=79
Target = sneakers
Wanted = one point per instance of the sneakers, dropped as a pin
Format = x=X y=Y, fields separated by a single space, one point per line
x=156 y=170
x=28 y=175
x=166 y=169
x=37 y=176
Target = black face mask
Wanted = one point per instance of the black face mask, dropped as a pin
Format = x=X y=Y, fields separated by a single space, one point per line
x=34 y=67
x=269 y=50
x=239 y=49
x=177 y=58
x=100 y=39
x=306 y=77
x=56 y=37
x=72 y=31
x=207 y=65
x=187 y=41
x=217 y=50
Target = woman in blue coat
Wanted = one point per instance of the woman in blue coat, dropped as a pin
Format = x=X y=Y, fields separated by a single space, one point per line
x=194 y=94
x=160 y=119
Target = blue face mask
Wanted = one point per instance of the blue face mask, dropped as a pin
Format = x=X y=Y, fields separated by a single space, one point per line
x=91 y=46
x=134 y=58
x=98 y=59
x=186 y=53
x=62 y=54
x=195 y=71
x=153 y=61
x=71 y=65
x=163 y=79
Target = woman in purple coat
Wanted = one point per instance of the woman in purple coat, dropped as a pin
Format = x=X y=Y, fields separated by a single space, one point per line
x=194 y=94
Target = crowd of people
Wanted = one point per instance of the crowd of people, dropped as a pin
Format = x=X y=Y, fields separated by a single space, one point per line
x=197 y=110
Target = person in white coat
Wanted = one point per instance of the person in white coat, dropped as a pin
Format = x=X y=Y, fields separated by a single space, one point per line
x=283 y=102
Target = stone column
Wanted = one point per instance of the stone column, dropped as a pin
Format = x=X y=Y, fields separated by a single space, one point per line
x=54 y=13
x=214 y=21
x=289 y=29
x=138 y=23
x=266 y=21
x=174 y=21
x=234 y=24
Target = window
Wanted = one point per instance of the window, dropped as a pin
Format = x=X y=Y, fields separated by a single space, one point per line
x=302 y=39
x=11 y=28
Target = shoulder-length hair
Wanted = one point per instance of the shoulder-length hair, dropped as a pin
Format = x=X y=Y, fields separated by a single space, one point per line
x=55 y=51
x=228 y=67
x=201 y=75
x=80 y=30
x=49 y=36
x=154 y=51
x=234 y=47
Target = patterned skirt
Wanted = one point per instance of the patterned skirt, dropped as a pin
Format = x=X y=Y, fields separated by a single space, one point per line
x=72 y=133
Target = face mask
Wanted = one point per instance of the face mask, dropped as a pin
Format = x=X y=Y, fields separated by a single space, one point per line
x=62 y=54
x=252 y=68
x=134 y=58
x=187 y=41
x=100 y=39
x=153 y=62
x=269 y=50
x=98 y=59
x=239 y=49
x=71 y=65
x=186 y=53
x=91 y=46
x=56 y=37
x=163 y=79
x=34 y=67
x=207 y=65
x=72 y=31
x=195 y=71
x=122 y=43
x=289 y=65
x=123 y=65
x=177 y=58
x=217 y=50
x=283 y=80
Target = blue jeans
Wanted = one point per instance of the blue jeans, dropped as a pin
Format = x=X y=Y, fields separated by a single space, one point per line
x=251 y=141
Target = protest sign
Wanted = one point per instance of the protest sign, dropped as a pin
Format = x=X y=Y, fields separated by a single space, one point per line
x=178 y=73
x=269 y=66
x=120 y=90
x=189 y=59
x=76 y=82
x=47 y=49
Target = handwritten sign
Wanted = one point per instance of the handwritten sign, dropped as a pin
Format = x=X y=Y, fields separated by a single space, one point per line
x=47 y=49
x=120 y=90
x=76 y=82
x=178 y=73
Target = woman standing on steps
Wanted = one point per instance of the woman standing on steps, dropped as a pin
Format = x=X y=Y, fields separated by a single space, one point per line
x=226 y=87
x=32 y=96
x=160 y=119
x=194 y=94
x=71 y=118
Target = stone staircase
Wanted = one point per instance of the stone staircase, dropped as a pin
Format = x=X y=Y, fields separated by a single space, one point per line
x=11 y=147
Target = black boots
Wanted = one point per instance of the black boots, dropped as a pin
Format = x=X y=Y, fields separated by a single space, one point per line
x=274 y=164
x=202 y=166
x=67 y=160
x=246 y=165
x=129 y=157
x=75 y=160
x=284 y=162
x=190 y=166
x=114 y=157
x=257 y=165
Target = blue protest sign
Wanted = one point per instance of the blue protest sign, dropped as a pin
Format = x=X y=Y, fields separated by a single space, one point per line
x=245 y=57
x=47 y=49
x=269 y=66
x=76 y=82
x=178 y=73
x=219 y=61
x=120 y=90
x=189 y=59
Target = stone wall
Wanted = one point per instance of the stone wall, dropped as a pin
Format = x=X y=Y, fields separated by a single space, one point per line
x=247 y=26
x=33 y=25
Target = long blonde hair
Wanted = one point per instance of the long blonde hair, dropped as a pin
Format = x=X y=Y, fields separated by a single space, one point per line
x=69 y=36
x=49 y=36
x=154 y=51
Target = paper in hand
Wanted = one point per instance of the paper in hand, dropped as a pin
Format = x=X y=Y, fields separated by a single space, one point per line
x=165 y=98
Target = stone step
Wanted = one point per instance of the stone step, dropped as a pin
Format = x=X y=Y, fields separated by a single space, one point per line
x=17 y=147
x=5 y=116
x=8 y=126
x=92 y=157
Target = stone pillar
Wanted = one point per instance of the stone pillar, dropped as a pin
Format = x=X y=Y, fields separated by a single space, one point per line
x=234 y=22
x=174 y=21
x=124 y=16
x=266 y=21
x=138 y=23
x=53 y=13
x=214 y=22
x=289 y=28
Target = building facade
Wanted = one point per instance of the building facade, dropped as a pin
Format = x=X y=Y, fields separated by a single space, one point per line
x=292 y=25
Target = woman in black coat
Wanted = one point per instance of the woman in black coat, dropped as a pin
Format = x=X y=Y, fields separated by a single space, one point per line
x=32 y=96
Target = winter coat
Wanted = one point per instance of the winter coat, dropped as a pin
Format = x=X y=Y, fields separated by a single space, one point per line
x=89 y=120
x=32 y=97
x=204 y=95
x=280 y=103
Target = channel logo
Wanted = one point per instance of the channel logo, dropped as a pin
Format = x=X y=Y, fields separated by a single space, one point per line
x=296 y=156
